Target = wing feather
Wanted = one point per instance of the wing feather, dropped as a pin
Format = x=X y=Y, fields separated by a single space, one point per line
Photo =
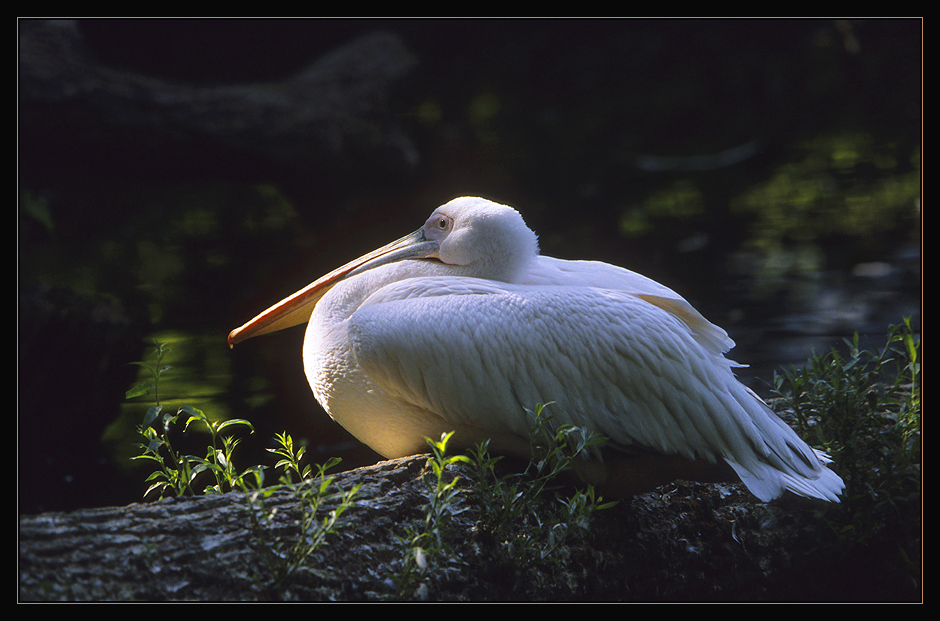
x=548 y=271
x=479 y=353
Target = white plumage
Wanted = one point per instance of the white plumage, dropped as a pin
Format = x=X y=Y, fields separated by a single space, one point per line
x=463 y=326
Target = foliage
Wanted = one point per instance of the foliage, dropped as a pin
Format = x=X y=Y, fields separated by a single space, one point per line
x=425 y=549
x=523 y=513
x=531 y=498
x=283 y=555
x=176 y=473
x=864 y=409
x=508 y=498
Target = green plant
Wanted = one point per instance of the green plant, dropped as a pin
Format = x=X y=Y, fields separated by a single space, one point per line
x=504 y=499
x=290 y=460
x=526 y=511
x=156 y=370
x=505 y=502
x=283 y=555
x=425 y=546
x=864 y=408
x=176 y=472
x=860 y=407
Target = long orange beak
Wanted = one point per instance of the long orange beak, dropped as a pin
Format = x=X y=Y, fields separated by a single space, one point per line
x=297 y=308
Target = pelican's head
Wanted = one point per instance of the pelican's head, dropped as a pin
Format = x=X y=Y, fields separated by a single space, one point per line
x=475 y=236
x=486 y=239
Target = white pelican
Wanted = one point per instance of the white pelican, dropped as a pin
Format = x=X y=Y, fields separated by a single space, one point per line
x=462 y=326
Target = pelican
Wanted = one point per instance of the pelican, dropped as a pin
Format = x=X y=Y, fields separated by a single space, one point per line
x=462 y=326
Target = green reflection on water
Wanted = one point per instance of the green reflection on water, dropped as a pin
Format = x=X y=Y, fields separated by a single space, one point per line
x=846 y=185
x=199 y=376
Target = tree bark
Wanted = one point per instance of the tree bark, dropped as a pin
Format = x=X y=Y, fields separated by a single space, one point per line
x=682 y=542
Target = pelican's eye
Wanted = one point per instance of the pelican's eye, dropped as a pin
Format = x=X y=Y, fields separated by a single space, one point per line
x=443 y=223
x=438 y=226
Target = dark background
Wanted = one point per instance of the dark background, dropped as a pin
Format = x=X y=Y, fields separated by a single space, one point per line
x=768 y=170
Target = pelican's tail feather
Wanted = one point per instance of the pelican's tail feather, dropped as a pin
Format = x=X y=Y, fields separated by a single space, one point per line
x=767 y=482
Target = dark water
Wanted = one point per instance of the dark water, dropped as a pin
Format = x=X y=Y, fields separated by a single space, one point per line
x=768 y=170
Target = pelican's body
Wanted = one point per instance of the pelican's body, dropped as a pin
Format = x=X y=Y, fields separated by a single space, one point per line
x=464 y=327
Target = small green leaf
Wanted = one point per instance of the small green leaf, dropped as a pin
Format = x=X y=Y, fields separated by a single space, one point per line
x=152 y=413
x=236 y=421
x=194 y=414
x=145 y=366
x=160 y=486
x=148 y=456
x=139 y=390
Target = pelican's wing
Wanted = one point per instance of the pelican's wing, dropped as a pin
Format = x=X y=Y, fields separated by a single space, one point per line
x=548 y=271
x=479 y=353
